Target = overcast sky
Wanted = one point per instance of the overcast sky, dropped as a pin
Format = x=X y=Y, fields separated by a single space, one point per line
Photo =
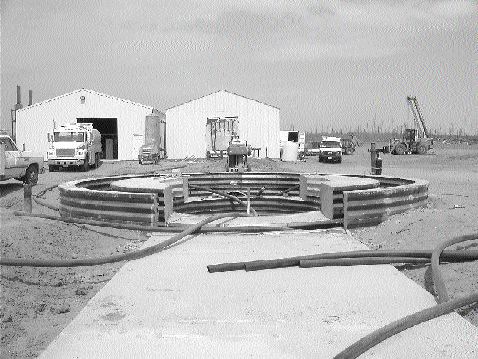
x=325 y=64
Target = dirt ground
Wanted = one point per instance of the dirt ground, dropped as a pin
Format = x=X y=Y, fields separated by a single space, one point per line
x=37 y=303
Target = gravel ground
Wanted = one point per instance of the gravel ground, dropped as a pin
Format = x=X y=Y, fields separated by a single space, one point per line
x=37 y=303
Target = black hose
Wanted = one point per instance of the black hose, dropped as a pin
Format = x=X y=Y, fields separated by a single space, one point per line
x=44 y=203
x=444 y=306
x=378 y=336
x=224 y=194
x=309 y=263
x=450 y=256
x=120 y=257
x=438 y=282
x=180 y=227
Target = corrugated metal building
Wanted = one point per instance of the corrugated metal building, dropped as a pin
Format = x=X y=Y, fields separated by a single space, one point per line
x=197 y=126
x=120 y=122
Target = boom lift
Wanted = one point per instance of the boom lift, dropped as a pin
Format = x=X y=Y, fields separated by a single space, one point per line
x=414 y=140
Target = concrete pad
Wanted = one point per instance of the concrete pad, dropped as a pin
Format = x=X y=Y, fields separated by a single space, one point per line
x=168 y=305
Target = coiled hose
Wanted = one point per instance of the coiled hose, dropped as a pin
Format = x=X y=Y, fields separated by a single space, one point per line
x=53 y=207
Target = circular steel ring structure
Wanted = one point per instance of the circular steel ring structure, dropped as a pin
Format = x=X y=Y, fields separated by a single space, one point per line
x=359 y=200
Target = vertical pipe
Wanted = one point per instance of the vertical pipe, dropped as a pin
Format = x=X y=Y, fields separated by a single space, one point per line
x=30 y=97
x=373 y=157
x=27 y=198
x=19 y=95
x=248 y=200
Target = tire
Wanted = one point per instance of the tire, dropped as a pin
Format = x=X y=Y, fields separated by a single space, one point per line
x=400 y=149
x=31 y=176
x=422 y=149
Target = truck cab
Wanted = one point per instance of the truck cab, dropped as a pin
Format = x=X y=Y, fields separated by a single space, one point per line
x=74 y=145
x=330 y=150
x=21 y=165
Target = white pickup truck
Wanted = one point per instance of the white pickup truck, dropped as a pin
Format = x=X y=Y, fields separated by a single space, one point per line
x=21 y=165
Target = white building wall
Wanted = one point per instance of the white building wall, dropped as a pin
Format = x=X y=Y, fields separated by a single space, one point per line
x=259 y=124
x=36 y=121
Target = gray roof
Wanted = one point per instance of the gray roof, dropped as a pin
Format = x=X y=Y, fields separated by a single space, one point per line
x=91 y=92
x=233 y=93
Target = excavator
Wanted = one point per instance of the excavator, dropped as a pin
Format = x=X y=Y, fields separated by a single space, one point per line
x=414 y=140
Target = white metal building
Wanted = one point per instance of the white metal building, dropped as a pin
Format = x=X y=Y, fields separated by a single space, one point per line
x=189 y=126
x=120 y=122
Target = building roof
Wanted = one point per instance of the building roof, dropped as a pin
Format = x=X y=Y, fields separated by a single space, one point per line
x=91 y=92
x=233 y=93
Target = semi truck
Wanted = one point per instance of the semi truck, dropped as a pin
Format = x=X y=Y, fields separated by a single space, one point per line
x=19 y=164
x=74 y=145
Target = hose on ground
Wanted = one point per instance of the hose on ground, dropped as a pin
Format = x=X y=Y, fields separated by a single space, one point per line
x=444 y=305
x=339 y=257
x=378 y=336
x=438 y=282
x=180 y=227
x=44 y=203
x=120 y=257
x=224 y=194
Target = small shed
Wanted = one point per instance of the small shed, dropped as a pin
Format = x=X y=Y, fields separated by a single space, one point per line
x=197 y=127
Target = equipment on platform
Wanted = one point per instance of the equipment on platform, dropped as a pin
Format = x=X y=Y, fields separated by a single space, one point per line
x=219 y=131
x=237 y=154
x=76 y=144
x=414 y=140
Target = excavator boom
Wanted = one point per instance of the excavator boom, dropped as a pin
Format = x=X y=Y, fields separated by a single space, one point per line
x=418 y=117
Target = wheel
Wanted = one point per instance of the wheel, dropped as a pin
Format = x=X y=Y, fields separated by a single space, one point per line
x=400 y=149
x=340 y=160
x=320 y=159
x=31 y=176
x=86 y=165
x=421 y=149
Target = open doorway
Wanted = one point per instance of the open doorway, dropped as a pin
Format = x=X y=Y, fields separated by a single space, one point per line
x=108 y=128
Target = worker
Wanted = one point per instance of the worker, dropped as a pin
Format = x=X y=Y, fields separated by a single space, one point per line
x=355 y=142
